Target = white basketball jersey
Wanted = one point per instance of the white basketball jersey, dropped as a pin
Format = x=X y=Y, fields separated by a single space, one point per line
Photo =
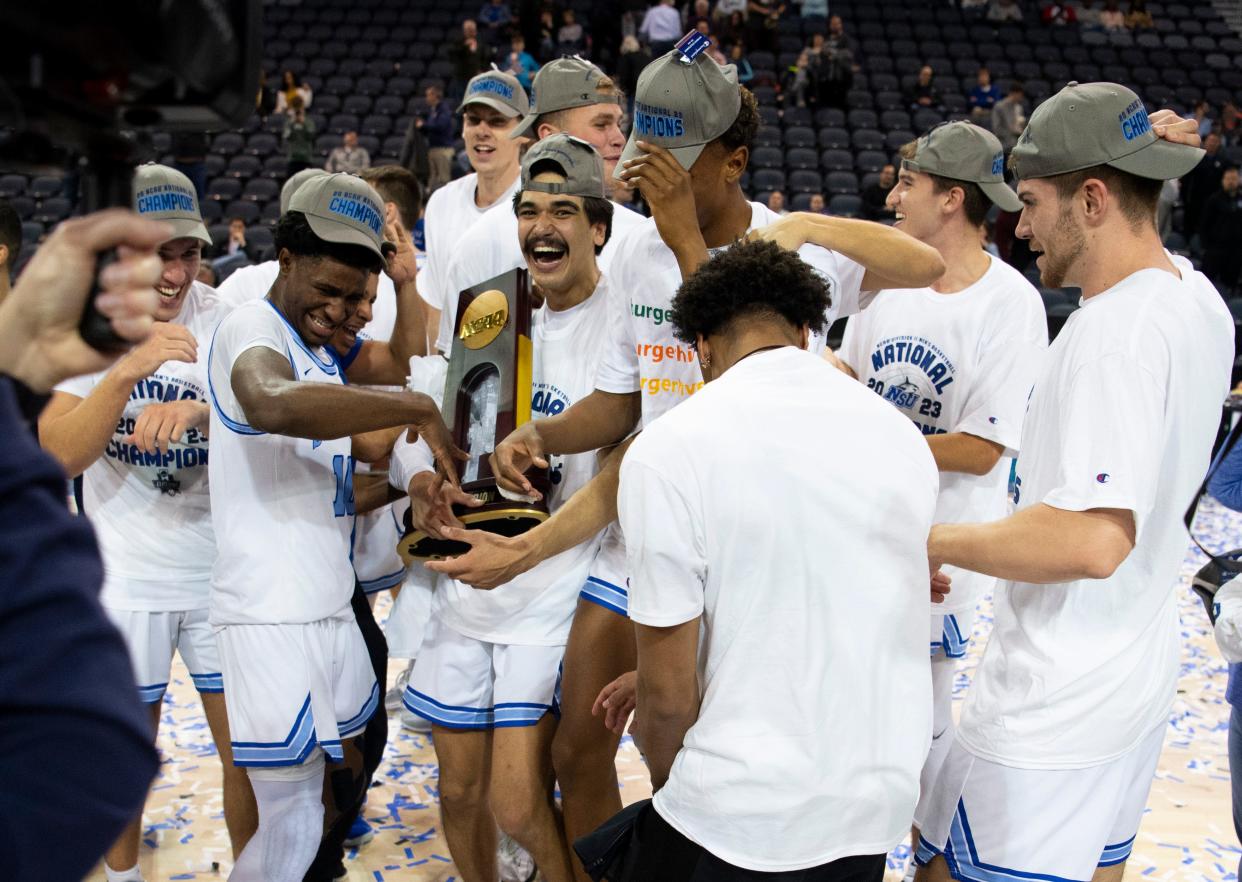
x=282 y=507
x=151 y=511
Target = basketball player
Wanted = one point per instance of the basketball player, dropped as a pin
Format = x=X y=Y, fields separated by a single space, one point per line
x=487 y=673
x=780 y=615
x=958 y=358
x=1062 y=727
x=692 y=186
x=572 y=96
x=137 y=433
x=298 y=682
x=491 y=108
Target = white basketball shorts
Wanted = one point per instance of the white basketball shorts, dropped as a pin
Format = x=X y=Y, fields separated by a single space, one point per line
x=376 y=562
x=153 y=637
x=606 y=583
x=995 y=823
x=462 y=683
x=292 y=687
x=950 y=633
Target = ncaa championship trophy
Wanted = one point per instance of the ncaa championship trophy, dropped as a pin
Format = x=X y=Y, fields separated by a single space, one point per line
x=487 y=394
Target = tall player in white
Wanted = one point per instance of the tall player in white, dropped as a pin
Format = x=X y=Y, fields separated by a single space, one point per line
x=487 y=674
x=958 y=358
x=137 y=433
x=298 y=681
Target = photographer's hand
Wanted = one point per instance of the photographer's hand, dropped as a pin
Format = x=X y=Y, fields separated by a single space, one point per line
x=39 y=340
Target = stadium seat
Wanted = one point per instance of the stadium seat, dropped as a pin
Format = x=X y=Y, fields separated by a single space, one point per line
x=243 y=167
x=32 y=231
x=801 y=158
x=845 y=205
x=52 y=210
x=247 y=211
x=261 y=190
x=836 y=160
x=224 y=189
x=841 y=182
x=805 y=181
x=799 y=136
x=12 y=185
x=768 y=179
x=767 y=157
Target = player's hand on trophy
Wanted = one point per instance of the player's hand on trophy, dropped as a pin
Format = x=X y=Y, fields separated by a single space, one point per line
x=431 y=503
x=403 y=263
x=430 y=427
x=666 y=188
x=491 y=561
x=514 y=455
x=790 y=232
x=162 y=425
x=617 y=701
x=1172 y=128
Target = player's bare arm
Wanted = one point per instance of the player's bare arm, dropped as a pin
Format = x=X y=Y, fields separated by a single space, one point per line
x=275 y=402
x=892 y=258
x=1039 y=544
x=665 y=186
x=76 y=430
x=387 y=363
x=964 y=452
x=494 y=560
x=668 y=692
x=161 y=425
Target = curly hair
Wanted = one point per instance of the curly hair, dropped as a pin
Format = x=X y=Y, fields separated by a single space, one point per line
x=750 y=280
x=745 y=125
x=294 y=232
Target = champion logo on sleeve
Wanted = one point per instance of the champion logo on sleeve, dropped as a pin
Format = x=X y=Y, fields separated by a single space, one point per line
x=1103 y=478
x=993 y=420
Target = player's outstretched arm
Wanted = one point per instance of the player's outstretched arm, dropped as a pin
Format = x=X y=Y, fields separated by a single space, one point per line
x=963 y=452
x=1039 y=544
x=892 y=259
x=668 y=692
x=273 y=401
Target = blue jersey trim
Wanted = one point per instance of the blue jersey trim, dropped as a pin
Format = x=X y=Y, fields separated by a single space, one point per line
x=231 y=424
x=208 y=682
x=370 y=586
x=348 y=358
x=152 y=694
x=359 y=721
x=611 y=597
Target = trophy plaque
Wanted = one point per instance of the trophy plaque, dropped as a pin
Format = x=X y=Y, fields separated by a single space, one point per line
x=487 y=394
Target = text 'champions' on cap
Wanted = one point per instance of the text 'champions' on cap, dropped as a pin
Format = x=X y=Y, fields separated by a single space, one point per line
x=165 y=194
x=344 y=209
x=498 y=90
x=962 y=151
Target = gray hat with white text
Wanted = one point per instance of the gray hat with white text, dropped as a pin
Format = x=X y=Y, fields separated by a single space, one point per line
x=963 y=151
x=295 y=181
x=578 y=161
x=498 y=90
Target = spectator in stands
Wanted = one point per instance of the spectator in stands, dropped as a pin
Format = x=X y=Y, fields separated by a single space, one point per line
x=265 y=97
x=1202 y=182
x=290 y=88
x=299 y=137
x=797 y=80
x=725 y=10
x=436 y=127
x=1111 y=17
x=834 y=73
x=570 y=39
x=519 y=62
x=495 y=17
x=776 y=202
x=1058 y=14
x=1220 y=232
x=661 y=27
x=737 y=57
x=1202 y=117
x=1138 y=18
x=10 y=245
x=1009 y=116
x=1230 y=125
x=973 y=9
x=814 y=8
x=236 y=252
x=1088 y=16
x=716 y=52
x=837 y=37
x=206 y=274
x=983 y=97
x=1004 y=10
x=875 y=196
x=923 y=93
x=634 y=57
x=349 y=157
x=468 y=56
x=733 y=29
x=816 y=204
x=546 y=49
x=701 y=13
x=762 y=19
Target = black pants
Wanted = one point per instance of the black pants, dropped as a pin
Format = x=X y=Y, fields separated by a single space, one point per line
x=658 y=853
x=328 y=862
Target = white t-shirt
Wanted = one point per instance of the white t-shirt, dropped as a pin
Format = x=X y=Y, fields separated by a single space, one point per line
x=491 y=247
x=960 y=362
x=152 y=511
x=789 y=507
x=451 y=211
x=537 y=607
x=282 y=507
x=249 y=283
x=643 y=355
x=1122 y=416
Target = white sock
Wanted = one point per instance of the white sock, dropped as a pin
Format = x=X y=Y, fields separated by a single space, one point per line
x=290 y=824
x=133 y=874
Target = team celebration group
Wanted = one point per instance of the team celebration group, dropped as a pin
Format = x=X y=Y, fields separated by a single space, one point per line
x=767 y=552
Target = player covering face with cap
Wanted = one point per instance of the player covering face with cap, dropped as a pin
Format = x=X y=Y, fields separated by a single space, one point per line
x=137 y=433
x=487 y=672
x=287 y=430
x=1062 y=727
x=958 y=358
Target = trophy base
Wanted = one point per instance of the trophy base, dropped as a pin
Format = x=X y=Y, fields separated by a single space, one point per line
x=497 y=515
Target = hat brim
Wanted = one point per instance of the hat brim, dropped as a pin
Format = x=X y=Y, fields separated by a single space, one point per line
x=685 y=156
x=524 y=127
x=332 y=231
x=1002 y=197
x=1160 y=160
x=493 y=103
x=187 y=228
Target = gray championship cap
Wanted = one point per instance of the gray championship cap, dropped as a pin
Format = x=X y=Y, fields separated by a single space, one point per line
x=295 y=181
x=344 y=209
x=582 y=166
x=562 y=84
x=499 y=91
x=165 y=194
x=1091 y=124
x=965 y=152
x=684 y=100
